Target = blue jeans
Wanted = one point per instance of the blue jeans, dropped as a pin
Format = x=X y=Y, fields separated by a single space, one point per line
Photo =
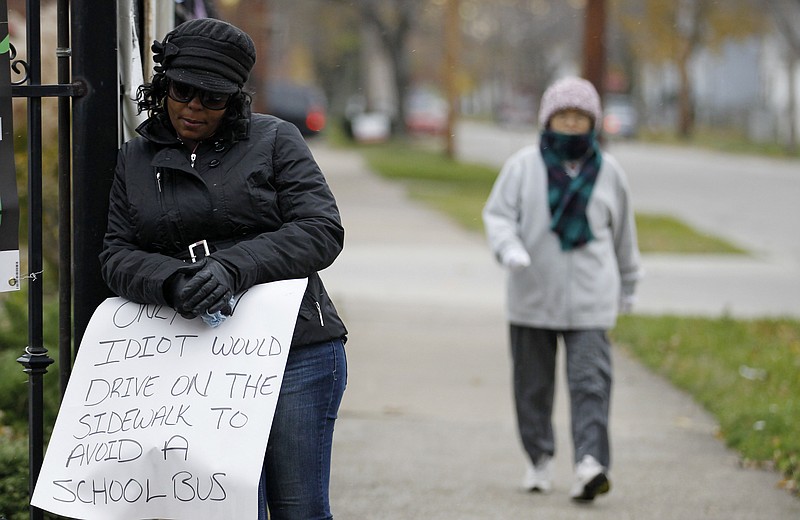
x=296 y=473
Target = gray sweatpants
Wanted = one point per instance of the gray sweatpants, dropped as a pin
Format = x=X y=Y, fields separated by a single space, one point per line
x=588 y=363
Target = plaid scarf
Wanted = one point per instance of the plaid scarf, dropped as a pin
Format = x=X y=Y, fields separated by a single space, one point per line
x=569 y=196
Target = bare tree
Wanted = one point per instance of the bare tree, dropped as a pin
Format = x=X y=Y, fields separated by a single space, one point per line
x=673 y=31
x=690 y=18
x=519 y=46
x=393 y=21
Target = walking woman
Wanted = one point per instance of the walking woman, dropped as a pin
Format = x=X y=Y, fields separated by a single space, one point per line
x=559 y=218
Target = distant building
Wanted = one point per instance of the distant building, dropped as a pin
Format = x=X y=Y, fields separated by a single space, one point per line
x=743 y=87
x=772 y=121
x=727 y=84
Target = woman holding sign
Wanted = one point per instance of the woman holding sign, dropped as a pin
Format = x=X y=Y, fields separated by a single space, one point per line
x=210 y=200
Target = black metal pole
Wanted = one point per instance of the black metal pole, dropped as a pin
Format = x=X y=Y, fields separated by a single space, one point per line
x=95 y=139
x=35 y=360
x=64 y=202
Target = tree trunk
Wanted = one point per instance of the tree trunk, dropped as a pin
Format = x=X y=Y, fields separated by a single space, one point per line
x=402 y=81
x=394 y=37
x=685 y=102
x=452 y=31
x=691 y=16
x=791 y=68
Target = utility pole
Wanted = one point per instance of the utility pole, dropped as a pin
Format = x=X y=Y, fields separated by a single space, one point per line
x=594 y=43
x=258 y=25
x=253 y=17
x=452 y=45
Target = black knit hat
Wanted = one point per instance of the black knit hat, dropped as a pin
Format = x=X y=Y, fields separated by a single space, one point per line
x=206 y=53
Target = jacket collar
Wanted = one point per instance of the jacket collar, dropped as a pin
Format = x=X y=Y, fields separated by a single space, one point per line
x=157 y=129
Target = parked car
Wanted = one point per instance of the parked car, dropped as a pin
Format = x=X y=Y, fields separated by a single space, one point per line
x=517 y=111
x=426 y=112
x=303 y=105
x=620 y=118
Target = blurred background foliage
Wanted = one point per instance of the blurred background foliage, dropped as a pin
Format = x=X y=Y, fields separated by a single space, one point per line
x=683 y=64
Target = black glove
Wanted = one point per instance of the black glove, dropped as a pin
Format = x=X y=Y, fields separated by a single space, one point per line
x=210 y=290
x=173 y=288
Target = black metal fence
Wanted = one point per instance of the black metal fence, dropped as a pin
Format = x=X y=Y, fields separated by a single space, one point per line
x=87 y=144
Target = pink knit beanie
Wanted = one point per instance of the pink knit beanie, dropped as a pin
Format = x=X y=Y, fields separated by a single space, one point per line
x=570 y=92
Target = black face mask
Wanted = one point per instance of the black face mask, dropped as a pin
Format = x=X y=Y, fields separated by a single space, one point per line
x=568 y=147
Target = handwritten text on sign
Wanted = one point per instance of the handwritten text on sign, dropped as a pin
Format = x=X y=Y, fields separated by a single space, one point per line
x=166 y=417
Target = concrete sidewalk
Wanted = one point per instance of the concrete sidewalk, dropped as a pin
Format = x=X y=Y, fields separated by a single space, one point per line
x=427 y=429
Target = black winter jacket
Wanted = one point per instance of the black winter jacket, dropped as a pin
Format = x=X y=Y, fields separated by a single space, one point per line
x=260 y=201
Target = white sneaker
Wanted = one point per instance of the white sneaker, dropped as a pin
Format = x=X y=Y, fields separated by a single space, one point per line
x=590 y=480
x=539 y=477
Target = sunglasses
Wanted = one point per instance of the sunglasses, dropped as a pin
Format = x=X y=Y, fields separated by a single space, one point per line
x=183 y=93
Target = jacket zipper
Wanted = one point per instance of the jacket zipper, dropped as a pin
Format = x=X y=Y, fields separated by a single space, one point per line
x=193 y=154
x=319 y=311
x=158 y=179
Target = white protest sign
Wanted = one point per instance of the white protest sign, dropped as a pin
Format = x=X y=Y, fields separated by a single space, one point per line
x=168 y=418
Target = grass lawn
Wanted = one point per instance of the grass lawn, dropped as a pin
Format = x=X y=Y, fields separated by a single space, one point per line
x=665 y=234
x=743 y=372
